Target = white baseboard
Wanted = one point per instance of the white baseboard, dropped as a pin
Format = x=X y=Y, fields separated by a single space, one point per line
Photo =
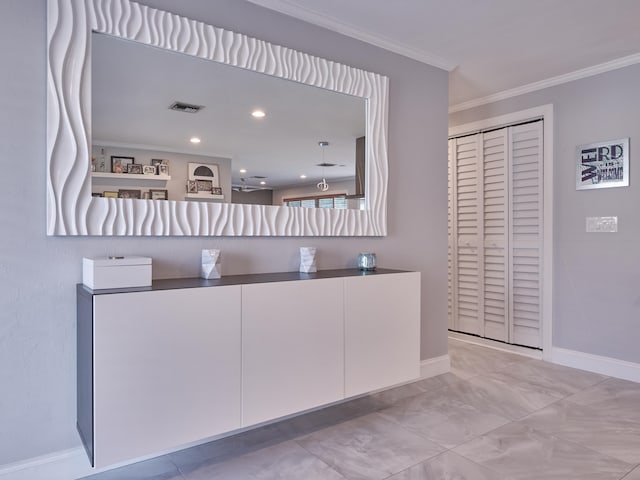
x=64 y=465
x=611 y=367
x=434 y=366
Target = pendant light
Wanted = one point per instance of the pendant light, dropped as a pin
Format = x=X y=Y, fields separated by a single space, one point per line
x=323 y=186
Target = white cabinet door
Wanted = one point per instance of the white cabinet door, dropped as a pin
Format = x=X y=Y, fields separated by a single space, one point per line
x=166 y=369
x=292 y=347
x=382 y=331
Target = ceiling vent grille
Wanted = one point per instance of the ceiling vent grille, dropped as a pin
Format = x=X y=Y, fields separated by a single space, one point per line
x=185 y=107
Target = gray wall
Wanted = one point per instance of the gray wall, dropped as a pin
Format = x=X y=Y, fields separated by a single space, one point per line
x=256 y=197
x=596 y=306
x=38 y=273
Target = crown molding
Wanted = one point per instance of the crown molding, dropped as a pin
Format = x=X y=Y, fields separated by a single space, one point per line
x=292 y=9
x=549 y=82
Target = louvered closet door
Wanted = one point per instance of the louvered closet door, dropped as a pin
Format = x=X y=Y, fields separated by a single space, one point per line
x=495 y=228
x=495 y=234
x=467 y=227
x=525 y=219
x=451 y=296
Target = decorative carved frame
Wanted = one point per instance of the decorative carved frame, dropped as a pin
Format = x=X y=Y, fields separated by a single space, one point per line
x=71 y=210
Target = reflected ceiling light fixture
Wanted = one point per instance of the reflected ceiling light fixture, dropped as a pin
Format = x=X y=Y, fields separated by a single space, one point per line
x=303 y=176
x=194 y=140
x=243 y=170
x=185 y=107
x=323 y=186
x=258 y=113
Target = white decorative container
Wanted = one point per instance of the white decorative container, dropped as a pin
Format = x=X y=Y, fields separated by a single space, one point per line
x=116 y=272
x=308 y=260
x=211 y=267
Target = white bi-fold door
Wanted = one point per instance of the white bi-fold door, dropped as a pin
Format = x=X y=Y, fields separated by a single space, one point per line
x=495 y=234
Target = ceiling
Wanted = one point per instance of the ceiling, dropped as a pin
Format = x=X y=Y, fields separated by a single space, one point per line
x=493 y=49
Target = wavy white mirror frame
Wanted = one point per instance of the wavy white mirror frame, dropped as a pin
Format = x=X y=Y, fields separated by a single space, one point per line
x=71 y=210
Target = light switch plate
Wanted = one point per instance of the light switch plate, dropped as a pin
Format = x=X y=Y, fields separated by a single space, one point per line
x=602 y=224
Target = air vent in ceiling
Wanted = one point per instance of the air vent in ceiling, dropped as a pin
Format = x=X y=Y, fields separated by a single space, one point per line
x=185 y=107
x=325 y=164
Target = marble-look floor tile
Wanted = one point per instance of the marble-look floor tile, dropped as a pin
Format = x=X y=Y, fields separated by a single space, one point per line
x=434 y=383
x=306 y=424
x=445 y=421
x=512 y=397
x=228 y=447
x=160 y=468
x=369 y=447
x=634 y=475
x=522 y=453
x=447 y=466
x=551 y=377
x=386 y=398
x=468 y=360
x=617 y=397
x=285 y=461
x=496 y=394
x=596 y=429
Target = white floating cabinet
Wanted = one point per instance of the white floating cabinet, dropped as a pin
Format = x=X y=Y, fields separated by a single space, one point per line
x=166 y=369
x=189 y=359
x=292 y=347
x=382 y=331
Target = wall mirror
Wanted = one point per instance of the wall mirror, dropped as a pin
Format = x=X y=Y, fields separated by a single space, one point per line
x=81 y=141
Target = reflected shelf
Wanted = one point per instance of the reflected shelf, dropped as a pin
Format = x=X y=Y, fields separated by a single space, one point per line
x=131 y=176
x=203 y=196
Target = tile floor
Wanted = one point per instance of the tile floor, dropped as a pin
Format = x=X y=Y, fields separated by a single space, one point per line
x=495 y=416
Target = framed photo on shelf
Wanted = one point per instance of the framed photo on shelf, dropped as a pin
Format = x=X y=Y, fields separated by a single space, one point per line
x=216 y=190
x=204 y=185
x=135 y=168
x=125 y=193
x=156 y=161
x=149 y=169
x=159 y=194
x=192 y=186
x=110 y=194
x=120 y=164
x=96 y=194
x=163 y=169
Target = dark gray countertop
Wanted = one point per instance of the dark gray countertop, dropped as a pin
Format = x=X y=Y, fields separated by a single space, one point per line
x=177 y=283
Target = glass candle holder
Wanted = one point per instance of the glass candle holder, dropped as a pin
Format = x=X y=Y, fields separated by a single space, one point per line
x=367 y=261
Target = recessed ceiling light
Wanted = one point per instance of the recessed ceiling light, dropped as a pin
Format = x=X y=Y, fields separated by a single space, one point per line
x=243 y=170
x=258 y=114
x=303 y=176
x=194 y=140
x=263 y=182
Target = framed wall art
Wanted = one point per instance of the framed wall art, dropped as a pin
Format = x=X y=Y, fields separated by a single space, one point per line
x=206 y=172
x=603 y=164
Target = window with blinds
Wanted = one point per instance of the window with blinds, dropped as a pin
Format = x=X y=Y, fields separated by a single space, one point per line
x=321 y=201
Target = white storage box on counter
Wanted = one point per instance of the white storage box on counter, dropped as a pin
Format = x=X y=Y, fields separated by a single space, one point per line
x=116 y=272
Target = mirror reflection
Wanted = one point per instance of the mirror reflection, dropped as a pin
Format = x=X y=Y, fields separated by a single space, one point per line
x=171 y=126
